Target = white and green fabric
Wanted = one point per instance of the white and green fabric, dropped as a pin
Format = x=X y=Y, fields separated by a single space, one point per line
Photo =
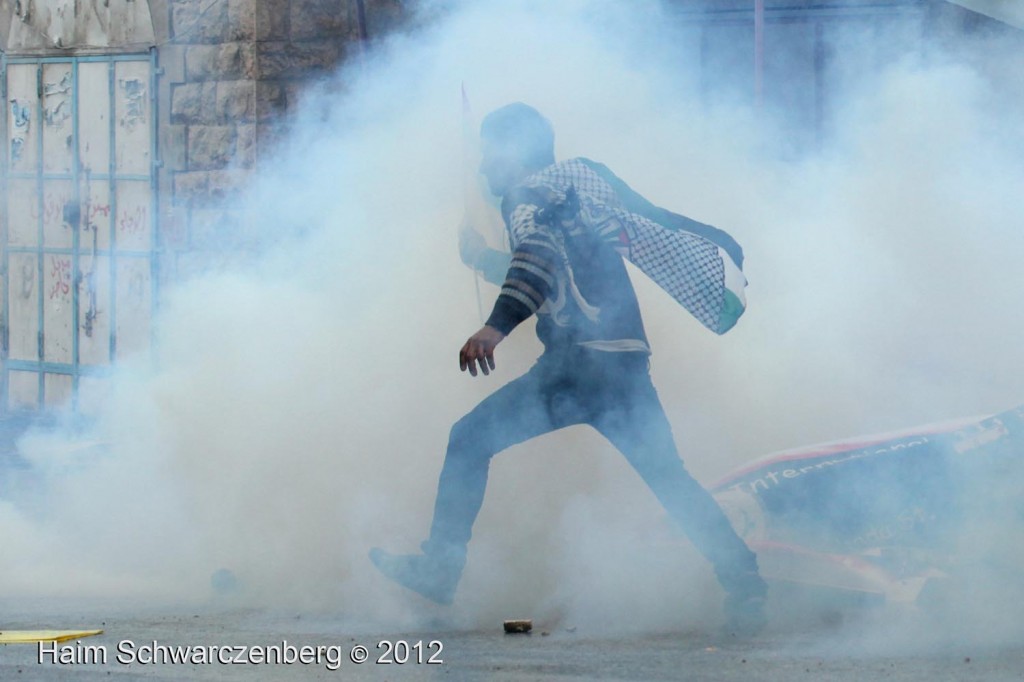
x=698 y=265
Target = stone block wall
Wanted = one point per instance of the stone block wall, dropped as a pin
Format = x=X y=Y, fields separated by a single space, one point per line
x=231 y=71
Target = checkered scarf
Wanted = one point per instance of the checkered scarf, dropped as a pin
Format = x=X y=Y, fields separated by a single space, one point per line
x=697 y=270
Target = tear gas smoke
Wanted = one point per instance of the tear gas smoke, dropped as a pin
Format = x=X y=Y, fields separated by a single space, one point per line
x=301 y=404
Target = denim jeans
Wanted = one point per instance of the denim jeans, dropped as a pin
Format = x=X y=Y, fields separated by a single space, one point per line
x=611 y=391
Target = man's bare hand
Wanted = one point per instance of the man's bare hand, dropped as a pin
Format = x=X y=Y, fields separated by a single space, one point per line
x=480 y=349
x=471 y=245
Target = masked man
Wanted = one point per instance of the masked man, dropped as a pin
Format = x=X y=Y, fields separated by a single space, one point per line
x=594 y=369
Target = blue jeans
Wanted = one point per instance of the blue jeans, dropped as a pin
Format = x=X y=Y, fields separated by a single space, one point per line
x=611 y=391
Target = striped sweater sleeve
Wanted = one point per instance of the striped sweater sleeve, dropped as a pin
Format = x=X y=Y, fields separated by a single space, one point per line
x=532 y=274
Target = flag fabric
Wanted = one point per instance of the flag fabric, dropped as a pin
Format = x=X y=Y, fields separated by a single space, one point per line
x=698 y=265
x=479 y=211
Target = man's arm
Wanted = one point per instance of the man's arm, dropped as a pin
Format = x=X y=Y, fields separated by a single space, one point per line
x=530 y=278
x=532 y=272
x=491 y=263
x=636 y=203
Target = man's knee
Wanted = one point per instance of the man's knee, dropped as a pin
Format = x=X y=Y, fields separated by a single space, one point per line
x=468 y=439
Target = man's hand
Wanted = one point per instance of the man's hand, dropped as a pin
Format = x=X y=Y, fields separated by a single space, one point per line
x=480 y=348
x=471 y=245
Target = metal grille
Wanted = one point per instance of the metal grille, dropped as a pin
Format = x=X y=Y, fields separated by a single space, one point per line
x=79 y=223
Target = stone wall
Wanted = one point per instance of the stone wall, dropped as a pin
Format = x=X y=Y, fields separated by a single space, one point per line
x=232 y=69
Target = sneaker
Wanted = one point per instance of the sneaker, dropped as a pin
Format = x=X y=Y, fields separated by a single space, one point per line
x=435 y=576
x=744 y=615
x=744 y=603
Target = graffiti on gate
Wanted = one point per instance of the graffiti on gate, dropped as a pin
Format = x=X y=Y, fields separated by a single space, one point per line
x=132 y=221
x=60 y=273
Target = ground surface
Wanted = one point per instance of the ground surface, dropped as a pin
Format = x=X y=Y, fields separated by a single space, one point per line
x=803 y=646
x=815 y=651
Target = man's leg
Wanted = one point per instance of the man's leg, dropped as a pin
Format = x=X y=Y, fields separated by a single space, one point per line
x=536 y=403
x=635 y=422
x=530 y=406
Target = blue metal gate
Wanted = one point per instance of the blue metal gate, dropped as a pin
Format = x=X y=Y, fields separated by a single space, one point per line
x=78 y=221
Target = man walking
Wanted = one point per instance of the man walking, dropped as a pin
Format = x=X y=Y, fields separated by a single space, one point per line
x=594 y=369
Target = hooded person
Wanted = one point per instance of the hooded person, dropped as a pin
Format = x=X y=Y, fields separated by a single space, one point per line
x=567 y=223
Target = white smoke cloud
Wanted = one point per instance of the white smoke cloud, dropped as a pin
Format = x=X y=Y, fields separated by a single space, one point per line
x=299 y=411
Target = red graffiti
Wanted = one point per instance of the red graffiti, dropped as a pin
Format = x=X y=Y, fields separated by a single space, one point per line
x=53 y=209
x=133 y=222
x=99 y=209
x=60 y=271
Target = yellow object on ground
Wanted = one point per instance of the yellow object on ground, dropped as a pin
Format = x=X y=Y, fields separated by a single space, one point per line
x=36 y=636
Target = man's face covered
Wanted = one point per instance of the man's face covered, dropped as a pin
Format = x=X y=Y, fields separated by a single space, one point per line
x=501 y=164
